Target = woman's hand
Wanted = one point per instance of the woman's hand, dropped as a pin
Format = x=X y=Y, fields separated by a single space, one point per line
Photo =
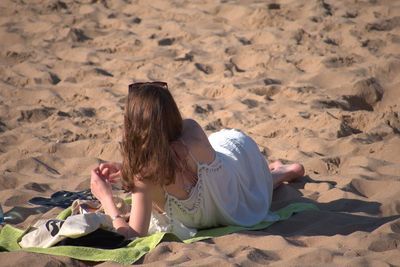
x=100 y=186
x=111 y=170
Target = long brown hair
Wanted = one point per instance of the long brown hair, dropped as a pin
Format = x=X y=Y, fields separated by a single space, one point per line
x=152 y=121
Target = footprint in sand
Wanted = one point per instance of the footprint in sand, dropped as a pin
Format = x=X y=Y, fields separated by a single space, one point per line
x=36 y=115
x=327 y=8
x=66 y=136
x=77 y=35
x=274 y=6
x=331 y=41
x=248 y=59
x=57 y=6
x=207 y=69
x=332 y=164
x=305 y=89
x=136 y=20
x=103 y=72
x=203 y=109
x=384 y=25
x=346 y=130
x=166 y=41
x=254 y=255
x=266 y=91
x=350 y=14
x=47 y=78
x=38 y=187
x=373 y=45
x=341 y=61
x=214 y=125
x=368 y=90
x=364 y=95
x=244 y=41
x=250 y=103
x=231 y=68
x=20 y=56
x=84 y=112
x=221 y=92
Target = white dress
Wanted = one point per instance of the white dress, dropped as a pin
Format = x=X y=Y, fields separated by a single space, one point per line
x=235 y=189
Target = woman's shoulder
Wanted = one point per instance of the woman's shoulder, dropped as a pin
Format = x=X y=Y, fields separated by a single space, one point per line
x=192 y=131
x=197 y=141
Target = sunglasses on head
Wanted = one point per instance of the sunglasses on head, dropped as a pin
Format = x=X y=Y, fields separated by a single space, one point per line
x=135 y=86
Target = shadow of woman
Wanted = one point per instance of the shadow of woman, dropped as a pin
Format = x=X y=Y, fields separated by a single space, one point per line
x=340 y=216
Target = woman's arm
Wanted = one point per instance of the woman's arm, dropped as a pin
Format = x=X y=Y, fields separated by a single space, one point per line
x=139 y=219
x=141 y=205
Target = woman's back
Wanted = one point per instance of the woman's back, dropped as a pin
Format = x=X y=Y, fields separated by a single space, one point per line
x=191 y=148
x=235 y=187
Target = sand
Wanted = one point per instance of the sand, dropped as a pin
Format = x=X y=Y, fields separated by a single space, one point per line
x=315 y=82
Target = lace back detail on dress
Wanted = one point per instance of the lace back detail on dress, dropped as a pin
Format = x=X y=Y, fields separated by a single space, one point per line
x=191 y=204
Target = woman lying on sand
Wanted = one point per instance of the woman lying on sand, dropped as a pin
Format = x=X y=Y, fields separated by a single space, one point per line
x=171 y=166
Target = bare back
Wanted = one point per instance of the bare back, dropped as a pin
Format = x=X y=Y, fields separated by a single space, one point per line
x=192 y=148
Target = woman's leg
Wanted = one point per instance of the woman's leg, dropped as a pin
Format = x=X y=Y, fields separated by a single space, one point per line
x=285 y=172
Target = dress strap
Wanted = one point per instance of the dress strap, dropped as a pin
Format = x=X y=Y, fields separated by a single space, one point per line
x=190 y=152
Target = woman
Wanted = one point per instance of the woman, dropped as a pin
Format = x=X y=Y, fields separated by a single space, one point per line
x=171 y=166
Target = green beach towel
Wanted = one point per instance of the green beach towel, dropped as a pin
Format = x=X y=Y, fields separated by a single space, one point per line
x=9 y=237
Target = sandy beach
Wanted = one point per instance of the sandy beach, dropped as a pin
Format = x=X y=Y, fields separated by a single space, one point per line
x=312 y=81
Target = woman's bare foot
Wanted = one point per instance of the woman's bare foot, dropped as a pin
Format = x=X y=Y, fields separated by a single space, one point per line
x=274 y=165
x=285 y=172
